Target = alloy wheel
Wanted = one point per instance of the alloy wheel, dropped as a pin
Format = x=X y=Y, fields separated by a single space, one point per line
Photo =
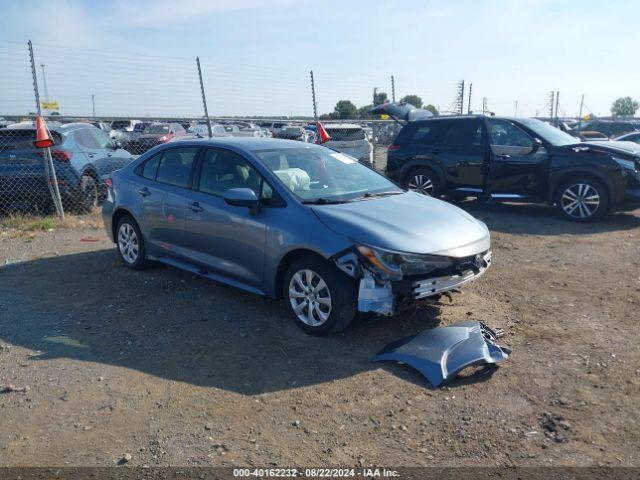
x=128 y=243
x=310 y=297
x=421 y=183
x=580 y=201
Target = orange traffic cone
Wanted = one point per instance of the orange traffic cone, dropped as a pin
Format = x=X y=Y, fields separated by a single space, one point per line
x=324 y=136
x=43 y=137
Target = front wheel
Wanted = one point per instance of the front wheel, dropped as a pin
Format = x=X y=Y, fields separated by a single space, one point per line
x=321 y=299
x=582 y=199
x=424 y=181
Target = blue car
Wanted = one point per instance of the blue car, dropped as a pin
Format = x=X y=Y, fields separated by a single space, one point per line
x=83 y=156
x=292 y=220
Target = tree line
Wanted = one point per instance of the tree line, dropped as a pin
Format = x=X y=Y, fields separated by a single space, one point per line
x=346 y=109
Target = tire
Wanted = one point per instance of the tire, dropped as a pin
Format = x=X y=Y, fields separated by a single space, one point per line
x=339 y=291
x=130 y=243
x=582 y=199
x=89 y=196
x=423 y=180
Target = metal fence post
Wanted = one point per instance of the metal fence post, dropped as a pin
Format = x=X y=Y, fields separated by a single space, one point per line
x=50 y=171
x=204 y=99
x=313 y=96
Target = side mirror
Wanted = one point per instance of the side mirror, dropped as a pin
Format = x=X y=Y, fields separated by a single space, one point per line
x=241 y=197
x=537 y=143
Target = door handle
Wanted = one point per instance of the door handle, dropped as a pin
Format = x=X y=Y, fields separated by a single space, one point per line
x=195 y=207
x=144 y=192
x=503 y=156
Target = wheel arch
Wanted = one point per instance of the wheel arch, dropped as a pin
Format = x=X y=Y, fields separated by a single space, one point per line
x=115 y=219
x=563 y=177
x=284 y=264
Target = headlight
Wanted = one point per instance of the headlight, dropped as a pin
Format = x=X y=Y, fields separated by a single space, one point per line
x=626 y=164
x=397 y=264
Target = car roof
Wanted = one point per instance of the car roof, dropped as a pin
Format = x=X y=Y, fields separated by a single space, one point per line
x=249 y=144
x=342 y=125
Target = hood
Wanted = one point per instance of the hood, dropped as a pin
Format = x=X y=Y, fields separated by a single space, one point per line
x=613 y=146
x=409 y=222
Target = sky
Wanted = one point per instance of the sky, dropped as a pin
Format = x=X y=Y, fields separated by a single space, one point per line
x=138 y=58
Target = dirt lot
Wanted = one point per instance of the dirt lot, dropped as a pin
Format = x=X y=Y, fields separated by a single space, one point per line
x=176 y=370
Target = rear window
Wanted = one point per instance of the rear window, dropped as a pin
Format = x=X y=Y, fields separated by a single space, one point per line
x=345 y=134
x=157 y=129
x=22 y=139
x=419 y=133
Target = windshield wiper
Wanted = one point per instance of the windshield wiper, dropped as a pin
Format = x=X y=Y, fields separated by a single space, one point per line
x=323 y=201
x=378 y=194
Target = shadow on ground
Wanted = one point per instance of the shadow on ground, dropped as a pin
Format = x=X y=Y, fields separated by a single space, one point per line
x=171 y=324
x=540 y=219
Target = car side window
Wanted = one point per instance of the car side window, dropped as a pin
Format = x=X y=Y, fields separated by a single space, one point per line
x=175 y=166
x=150 y=167
x=463 y=133
x=222 y=170
x=85 y=139
x=502 y=133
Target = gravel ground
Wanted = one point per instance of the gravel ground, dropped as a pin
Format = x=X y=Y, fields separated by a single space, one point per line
x=98 y=362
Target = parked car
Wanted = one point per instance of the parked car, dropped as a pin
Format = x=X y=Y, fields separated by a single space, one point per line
x=202 y=131
x=295 y=221
x=83 y=156
x=155 y=134
x=611 y=128
x=514 y=159
x=629 y=137
x=292 y=132
x=124 y=125
x=351 y=139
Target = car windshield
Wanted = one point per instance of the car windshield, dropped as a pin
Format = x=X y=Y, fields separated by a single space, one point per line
x=319 y=174
x=551 y=134
x=157 y=129
x=345 y=134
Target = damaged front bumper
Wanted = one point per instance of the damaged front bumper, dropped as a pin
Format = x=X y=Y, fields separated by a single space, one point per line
x=383 y=295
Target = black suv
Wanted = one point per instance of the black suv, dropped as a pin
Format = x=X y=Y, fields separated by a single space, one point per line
x=514 y=159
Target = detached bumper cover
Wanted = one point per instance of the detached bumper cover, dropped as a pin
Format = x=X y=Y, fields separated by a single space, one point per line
x=440 y=354
x=433 y=286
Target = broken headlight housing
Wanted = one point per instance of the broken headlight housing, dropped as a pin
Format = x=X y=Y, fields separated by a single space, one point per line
x=398 y=264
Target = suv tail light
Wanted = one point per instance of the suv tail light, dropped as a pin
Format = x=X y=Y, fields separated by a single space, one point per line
x=393 y=147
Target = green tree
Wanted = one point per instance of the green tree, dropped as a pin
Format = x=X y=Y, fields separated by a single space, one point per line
x=345 y=109
x=364 y=112
x=432 y=109
x=624 y=107
x=380 y=98
x=414 y=100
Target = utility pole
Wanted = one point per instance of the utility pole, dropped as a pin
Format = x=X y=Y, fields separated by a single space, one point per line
x=551 y=102
x=93 y=104
x=580 y=114
x=393 y=89
x=469 y=103
x=375 y=94
x=204 y=99
x=557 y=102
x=313 y=98
x=460 y=100
x=485 y=109
x=516 y=111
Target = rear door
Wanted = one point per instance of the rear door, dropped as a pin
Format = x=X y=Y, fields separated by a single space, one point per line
x=518 y=166
x=164 y=194
x=462 y=154
x=227 y=240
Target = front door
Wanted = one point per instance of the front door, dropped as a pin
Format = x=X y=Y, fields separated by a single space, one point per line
x=518 y=164
x=225 y=239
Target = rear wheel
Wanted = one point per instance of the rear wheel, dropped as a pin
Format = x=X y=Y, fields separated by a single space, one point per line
x=321 y=298
x=424 y=181
x=131 y=244
x=88 y=193
x=582 y=199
